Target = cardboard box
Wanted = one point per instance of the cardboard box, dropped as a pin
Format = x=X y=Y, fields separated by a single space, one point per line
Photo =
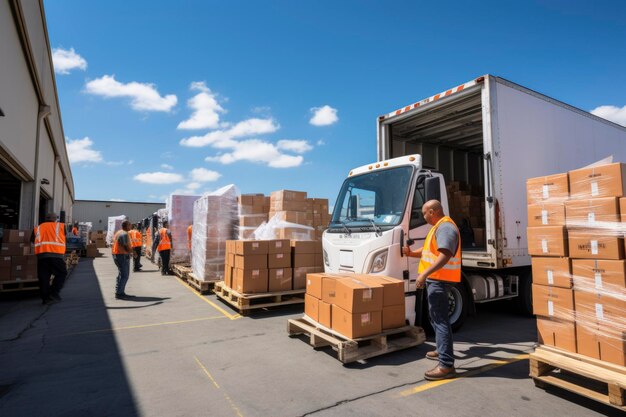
x=279 y=260
x=547 y=241
x=311 y=307
x=5 y=273
x=228 y=276
x=252 y=220
x=325 y=314
x=252 y=210
x=304 y=259
x=601 y=181
x=279 y=246
x=358 y=296
x=479 y=236
x=553 y=302
x=599 y=275
x=246 y=200
x=393 y=288
x=280 y=279
x=622 y=209
x=288 y=195
x=600 y=308
x=552 y=271
x=299 y=247
x=295 y=233
x=5 y=262
x=589 y=244
x=286 y=205
x=251 y=262
x=393 y=317
x=314 y=285
x=329 y=283
x=319 y=259
x=297 y=217
x=251 y=247
x=15 y=249
x=602 y=342
x=251 y=281
x=299 y=275
x=24 y=272
x=551 y=187
x=557 y=333
x=16 y=236
x=590 y=211
x=355 y=325
x=546 y=214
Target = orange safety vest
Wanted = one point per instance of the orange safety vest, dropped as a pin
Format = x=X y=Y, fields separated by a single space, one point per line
x=189 y=232
x=451 y=271
x=135 y=238
x=75 y=231
x=50 y=238
x=117 y=248
x=164 y=242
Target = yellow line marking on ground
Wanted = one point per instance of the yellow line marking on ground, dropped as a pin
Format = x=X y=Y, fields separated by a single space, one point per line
x=209 y=302
x=230 y=401
x=485 y=368
x=141 y=326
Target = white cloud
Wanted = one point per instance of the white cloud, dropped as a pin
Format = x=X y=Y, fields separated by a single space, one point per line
x=204 y=175
x=143 y=96
x=612 y=113
x=323 y=116
x=66 y=60
x=117 y=199
x=206 y=109
x=297 y=146
x=194 y=185
x=167 y=166
x=80 y=150
x=159 y=178
x=224 y=138
x=321 y=142
x=258 y=151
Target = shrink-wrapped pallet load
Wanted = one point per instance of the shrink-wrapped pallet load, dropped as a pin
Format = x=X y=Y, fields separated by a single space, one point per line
x=180 y=213
x=114 y=224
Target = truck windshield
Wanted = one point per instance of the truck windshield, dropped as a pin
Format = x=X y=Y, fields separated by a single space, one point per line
x=376 y=198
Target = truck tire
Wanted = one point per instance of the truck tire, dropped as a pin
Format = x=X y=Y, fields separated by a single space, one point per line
x=525 y=295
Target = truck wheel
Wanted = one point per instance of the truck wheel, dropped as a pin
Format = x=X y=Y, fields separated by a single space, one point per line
x=458 y=304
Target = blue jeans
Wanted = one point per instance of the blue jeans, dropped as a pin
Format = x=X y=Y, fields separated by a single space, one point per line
x=437 y=292
x=123 y=268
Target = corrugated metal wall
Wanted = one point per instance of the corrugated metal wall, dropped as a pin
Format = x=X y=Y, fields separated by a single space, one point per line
x=98 y=212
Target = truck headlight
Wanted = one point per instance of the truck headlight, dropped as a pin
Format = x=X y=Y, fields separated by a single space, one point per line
x=326 y=261
x=379 y=261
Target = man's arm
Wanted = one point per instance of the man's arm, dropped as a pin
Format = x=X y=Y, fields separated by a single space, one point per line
x=157 y=239
x=413 y=254
x=171 y=240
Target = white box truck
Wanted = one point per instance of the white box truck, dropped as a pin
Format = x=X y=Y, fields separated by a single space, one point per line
x=489 y=134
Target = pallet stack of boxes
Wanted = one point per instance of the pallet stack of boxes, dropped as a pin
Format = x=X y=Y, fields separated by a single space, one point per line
x=99 y=238
x=579 y=271
x=268 y=266
x=253 y=212
x=17 y=263
x=180 y=216
x=293 y=213
x=355 y=305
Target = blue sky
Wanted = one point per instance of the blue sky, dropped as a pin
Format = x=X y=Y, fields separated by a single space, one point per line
x=287 y=92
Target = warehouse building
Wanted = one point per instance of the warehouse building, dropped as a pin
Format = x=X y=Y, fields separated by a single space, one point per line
x=98 y=212
x=35 y=174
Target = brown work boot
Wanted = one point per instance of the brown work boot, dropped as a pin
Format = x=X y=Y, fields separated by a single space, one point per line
x=438 y=373
x=432 y=355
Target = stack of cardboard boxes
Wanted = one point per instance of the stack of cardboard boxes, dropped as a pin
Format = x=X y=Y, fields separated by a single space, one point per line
x=321 y=217
x=294 y=214
x=253 y=212
x=261 y=266
x=579 y=271
x=17 y=263
x=355 y=305
x=99 y=238
x=467 y=203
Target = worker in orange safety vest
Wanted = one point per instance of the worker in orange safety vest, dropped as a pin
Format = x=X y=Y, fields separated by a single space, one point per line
x=75 y=229
x=136 y=244
x=189 y=234
x=439 y=268
x=49 y=240
x=122 y=250
x=163 y=243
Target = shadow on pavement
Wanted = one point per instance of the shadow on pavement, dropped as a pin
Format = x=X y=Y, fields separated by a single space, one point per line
x=50 y=370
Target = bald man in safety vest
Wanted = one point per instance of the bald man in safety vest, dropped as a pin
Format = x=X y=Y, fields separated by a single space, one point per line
x=49 y=240
x=439 y=268
x=163 y=244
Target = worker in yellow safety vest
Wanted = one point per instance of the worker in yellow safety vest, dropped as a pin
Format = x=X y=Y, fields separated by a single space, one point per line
x=49 y=240
x=163 y=243
x=122 y=250
x=136 y=244
x=439 y=268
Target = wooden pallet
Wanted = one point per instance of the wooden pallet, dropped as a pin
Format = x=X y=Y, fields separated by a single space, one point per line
x=181 y=271
x=591 y=378
x=12 y=286
x=203 y=287
x=244 y=303
x=352 y=350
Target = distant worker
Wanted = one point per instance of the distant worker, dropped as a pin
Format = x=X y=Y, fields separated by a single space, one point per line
x=75 y=229
x=439 y=268
x=189 y=234
x=163 y=244
x=121 y=251
x=49 y=240
x=136 y=244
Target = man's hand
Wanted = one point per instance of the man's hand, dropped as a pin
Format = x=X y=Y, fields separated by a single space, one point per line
x=421 y=281
x=407 y=251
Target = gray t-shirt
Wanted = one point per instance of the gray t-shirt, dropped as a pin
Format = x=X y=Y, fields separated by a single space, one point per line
x=123 y=240
x=447 y=237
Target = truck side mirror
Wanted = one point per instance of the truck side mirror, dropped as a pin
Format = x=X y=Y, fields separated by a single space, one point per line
x=353 y=206
x=433 y=189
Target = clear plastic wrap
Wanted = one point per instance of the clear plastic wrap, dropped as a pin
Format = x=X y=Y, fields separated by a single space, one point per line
x=84 y=231
x=180 y=217
x=214 y=222
x=277 y=228
x=114 y=224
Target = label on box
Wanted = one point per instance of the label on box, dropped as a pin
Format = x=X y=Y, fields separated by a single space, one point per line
x=550 y=277
x=546 y=192
x=18 y=267
x=544 y=245
x=544 y=216
x=599 y=311
x=255 y=272
x=280 y=256
x=279 y=244
x=598 y=277
x=255 y=245
x=591 y=217
x=308 y=282
x=279 y=272
x=365 y=318
x=367 y=294
x=550 y=308
x=594 y=189
x=594 y=247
